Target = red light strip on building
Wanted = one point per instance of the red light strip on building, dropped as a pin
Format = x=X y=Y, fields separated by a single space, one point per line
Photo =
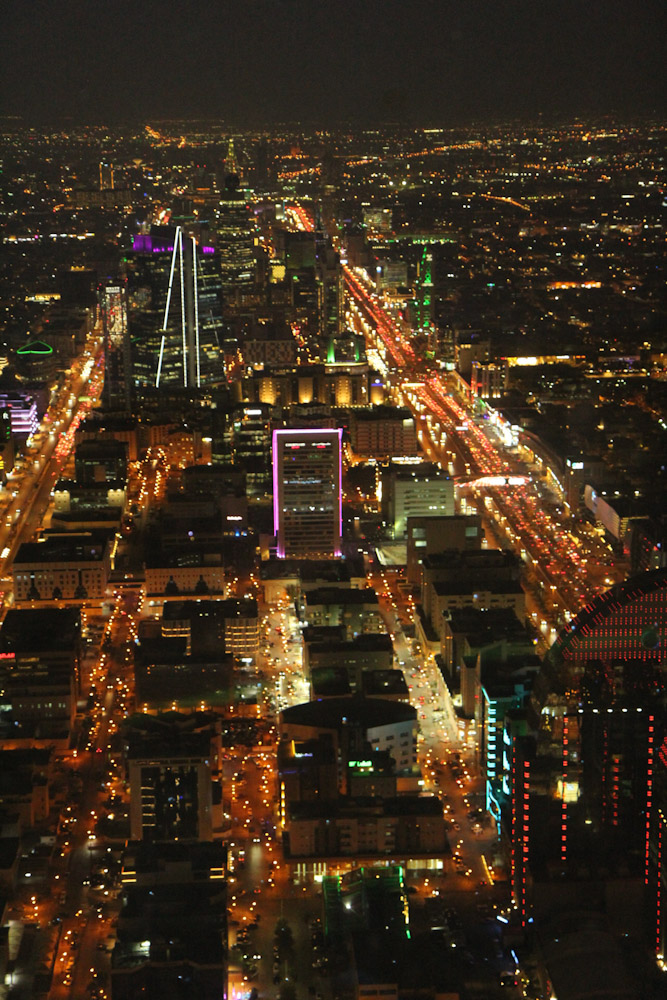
x=514 y=829
x=615 y=784
x=658 y=893
x=525 y=839
x=649 y=792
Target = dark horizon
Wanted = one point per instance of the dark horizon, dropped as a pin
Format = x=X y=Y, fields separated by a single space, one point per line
x=302 y=60
x=617 y=118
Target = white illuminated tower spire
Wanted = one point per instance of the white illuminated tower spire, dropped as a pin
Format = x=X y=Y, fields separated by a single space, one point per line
x=184 y=270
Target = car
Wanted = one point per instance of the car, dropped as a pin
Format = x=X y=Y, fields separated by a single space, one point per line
x=508 y=979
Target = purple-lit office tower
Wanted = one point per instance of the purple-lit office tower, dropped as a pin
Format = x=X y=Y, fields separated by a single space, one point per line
x=307 y=503
x=174 y=312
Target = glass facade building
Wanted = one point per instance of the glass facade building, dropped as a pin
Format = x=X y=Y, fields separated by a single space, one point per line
x=174 y=301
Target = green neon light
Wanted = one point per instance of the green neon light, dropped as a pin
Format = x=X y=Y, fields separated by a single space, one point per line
x=421 y=239
x=35 y=347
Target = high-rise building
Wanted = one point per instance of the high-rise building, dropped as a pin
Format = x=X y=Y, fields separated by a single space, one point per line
x=307 y=499
x=329 y=274
x=174 y=312
x=116 y=395
x=106 y=176
x=591 y=793
x=247 y=446
x=235 y=238
x=656 y=842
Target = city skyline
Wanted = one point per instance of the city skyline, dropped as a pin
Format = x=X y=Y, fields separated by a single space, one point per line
x=333 y=560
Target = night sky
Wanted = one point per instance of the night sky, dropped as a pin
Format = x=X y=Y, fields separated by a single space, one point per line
x=443 y=61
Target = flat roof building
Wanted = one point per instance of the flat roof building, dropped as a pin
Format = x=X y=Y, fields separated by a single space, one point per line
x=414 y=491
x=436 y=533
x=170 y=785
x=172 y=925
x=356 y=610
x=69 y=567
x=307 y=496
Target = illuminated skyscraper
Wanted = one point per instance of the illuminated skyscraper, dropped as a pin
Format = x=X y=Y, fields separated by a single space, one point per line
x=234 y=227
x=175 y=312
x=596 y=713
x=330 y=290
x=106 y=176
x=307 y=500
x=116 y=395
x=231 y=161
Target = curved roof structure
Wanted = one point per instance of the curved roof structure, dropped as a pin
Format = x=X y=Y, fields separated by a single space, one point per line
x=628 y=621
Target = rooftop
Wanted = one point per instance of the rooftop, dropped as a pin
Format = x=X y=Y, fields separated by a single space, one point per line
x=334 y=713
x=38 y=630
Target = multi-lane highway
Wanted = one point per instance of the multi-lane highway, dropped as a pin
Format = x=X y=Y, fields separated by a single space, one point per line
x=28 y=490
x=565 y=565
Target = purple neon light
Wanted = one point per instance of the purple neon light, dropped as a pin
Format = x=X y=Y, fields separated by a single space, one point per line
x=311 y=431
x=340 y=488
x=146 y=243
x=276 y=512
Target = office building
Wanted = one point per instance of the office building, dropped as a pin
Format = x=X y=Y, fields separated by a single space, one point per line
x=23 y=412
x=174 y=312
x=343 y=383
x=52 y=635
x=656 y=873
x=355 y=725
x=172 y=923
x=100 y=462
x=184 y=570
x=407 y=827
x=40 y=654
x=117 y=391
x=414 y=490
x=38 y=701
x=7 y=452
x=307 y=497
x=235 y=240
x=488 y=379
x=428 y=535
x=483 y=578
x=231 y=626
x=354 y=611
x=106 y=176
x=246 y=443
x=383 y=432
x=70 y=567
x=170 y=785
x=327 y=650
